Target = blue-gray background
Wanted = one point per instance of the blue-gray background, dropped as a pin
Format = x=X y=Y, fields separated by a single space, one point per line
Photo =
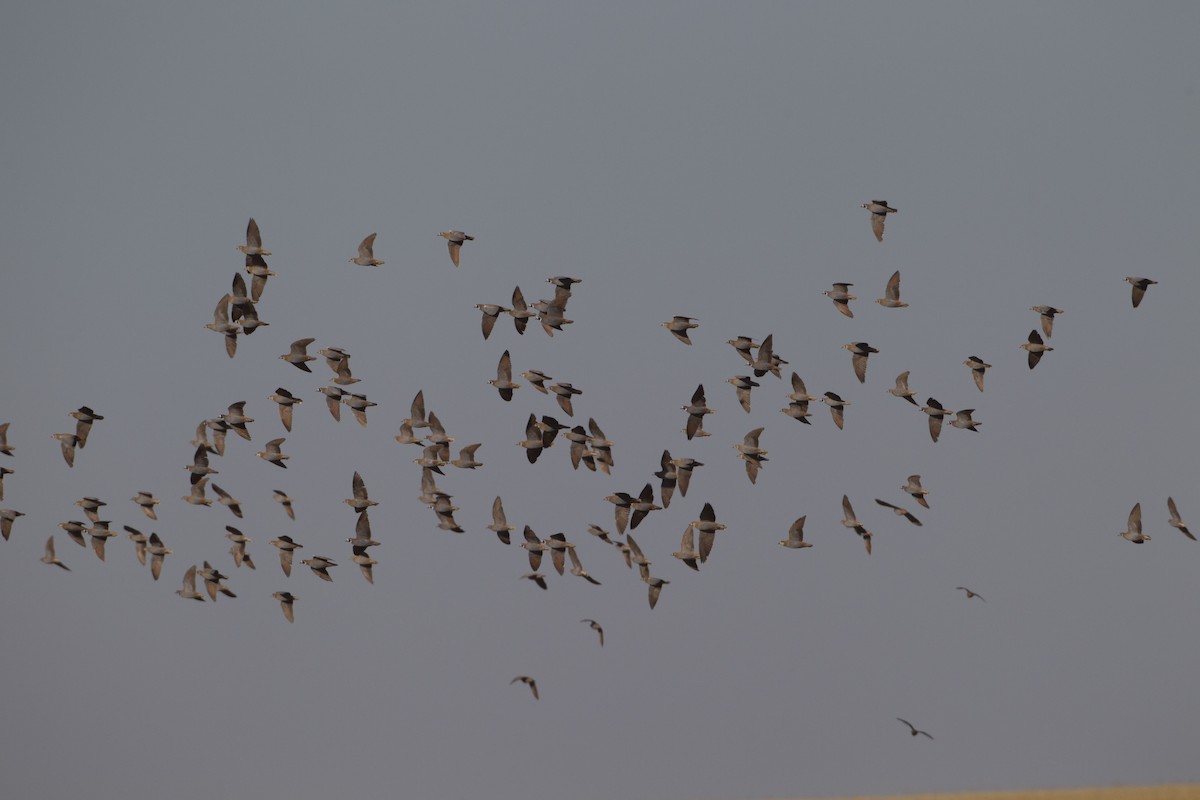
x=686 y=158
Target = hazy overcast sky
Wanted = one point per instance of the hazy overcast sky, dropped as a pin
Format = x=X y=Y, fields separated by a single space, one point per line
x=691 y=158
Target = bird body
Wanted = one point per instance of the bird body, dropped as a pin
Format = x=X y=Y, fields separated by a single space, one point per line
x=366 y=253
x=454 y=241
x=879 y=210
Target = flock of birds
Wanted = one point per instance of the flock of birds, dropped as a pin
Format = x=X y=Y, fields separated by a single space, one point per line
x=236 y=315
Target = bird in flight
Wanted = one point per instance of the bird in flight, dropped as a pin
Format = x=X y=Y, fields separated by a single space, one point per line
x=914 y=730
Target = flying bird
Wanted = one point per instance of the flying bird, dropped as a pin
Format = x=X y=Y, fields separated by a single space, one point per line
x=158 y=552
x=1134 y=532
x=743 y=384
x=879 y=210
x=900 y=512
x=913 y=487
x=139 y=543
x=901 y=390
x=795 y=539
x=285 y=400
x=228 y=500
x=914 y=730
x=849 y=520
x=536 y=577
x=707 y=526
x=7 y=517
x=1047 y=313
x=970 y=593
x=223 y=326
x=891 y=293
x=679 y=327
x=454 y=241
x=936 y=413
x=563 y=393
x=1177 y=521
x=1035 y=346
x=366 y=253
x=273 y=453
x=491 y=312
x=286 y=547
x=687 y=548
x=533 y=443
x=197 y=497
x=525 y=679
x=962 y=419
x=320 y=567
x=696 y=411
x=500 y=524
x=1140 y=285
x=253 y=245
x=284 y=500
x=503 y=381
x=837 y=407
x=841 y=297
x=145 y=501
x=655 y=585
x=188 y=592
x=68 y=441
x=596 y=627
x=5 y=447
x=84 y=417
x=360 y=501
x=978 y=367
x=859 y=352
x=51 y=558
x=257 y=267
x=286 y=601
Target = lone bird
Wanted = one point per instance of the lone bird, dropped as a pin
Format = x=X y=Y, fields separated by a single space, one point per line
x=320 y=567
x=366 y=253
x=1047 y=313
x=454 y=241
x=913 y=487
x=253 y=245
x=696 y=411
x=795 y=539
x=273 y=453
x=900 y=512
x=84 y=417
x=914 y=730
x=978 y=367
x=859 y=351
x=1134 y=532
x=51 y=558
x=286 y=601
x=1177 y=521
x=879 y=210
x=68 y=441
x=596 y=627
x=936 y=412
x=679 y=327
x=1035 y=346
x=841 y=297
x=525 y=679
x=970 y=593
x=188 y=592
x=491 y=312
x=891 y=293
x=503 y=381
x=837 y=407
x=1140 y=285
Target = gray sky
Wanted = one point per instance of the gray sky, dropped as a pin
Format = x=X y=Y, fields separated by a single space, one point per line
x=689 y=158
